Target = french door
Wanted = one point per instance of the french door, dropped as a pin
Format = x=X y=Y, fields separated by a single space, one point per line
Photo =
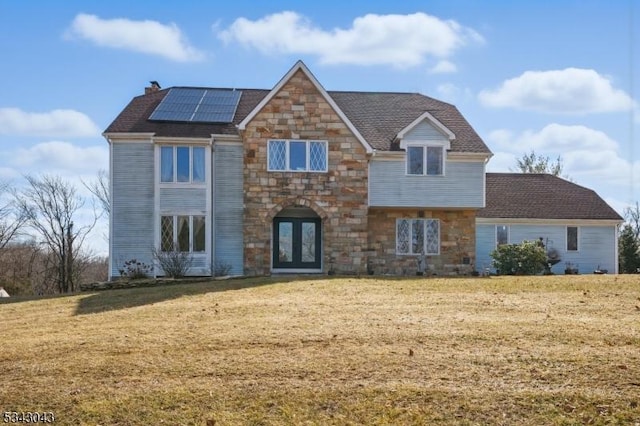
x=296 y=243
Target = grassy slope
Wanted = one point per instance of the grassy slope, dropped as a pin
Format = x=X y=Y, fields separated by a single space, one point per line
x=542 y=350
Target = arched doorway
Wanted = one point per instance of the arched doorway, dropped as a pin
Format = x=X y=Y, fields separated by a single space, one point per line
x=297 y=240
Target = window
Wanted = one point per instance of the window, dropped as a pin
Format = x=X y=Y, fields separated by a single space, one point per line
x=425 y=160
x=182 y=164
x=572 y=238
x=297 y=156
x=418 y=236
x=502 y=235
x=185 y=233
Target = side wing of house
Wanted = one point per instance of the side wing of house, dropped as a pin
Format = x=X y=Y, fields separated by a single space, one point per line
x=131 y=228
x=583 y=245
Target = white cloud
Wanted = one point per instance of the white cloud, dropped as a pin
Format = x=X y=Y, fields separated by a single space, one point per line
x=397 y=40
x=60 y=158
x=571 y=91
x=56 y=123
x=444 y=67
x=558 y=137
x=147 y=36
x=590 y=157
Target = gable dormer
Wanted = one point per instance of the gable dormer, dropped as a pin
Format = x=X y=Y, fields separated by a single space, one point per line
x=426 y=142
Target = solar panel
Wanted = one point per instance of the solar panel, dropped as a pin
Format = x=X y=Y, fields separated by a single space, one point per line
x=197 y=105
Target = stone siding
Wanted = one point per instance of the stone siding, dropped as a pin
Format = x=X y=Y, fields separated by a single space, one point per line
x=339 y=197
x=457 y=242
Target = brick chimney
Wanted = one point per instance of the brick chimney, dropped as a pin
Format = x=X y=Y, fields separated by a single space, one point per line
x=155 y=86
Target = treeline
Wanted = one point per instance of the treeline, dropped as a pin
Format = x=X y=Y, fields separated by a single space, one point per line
x=42 y=240
x=27 y=268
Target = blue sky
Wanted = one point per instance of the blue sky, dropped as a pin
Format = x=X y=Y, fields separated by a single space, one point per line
x=559 y=77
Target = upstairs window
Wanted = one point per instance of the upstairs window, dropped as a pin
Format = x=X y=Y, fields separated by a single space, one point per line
x=502 y=235
x=184 y=164
x=425 y=160
x=418 y=236
x=297 y=156
x=572 y=238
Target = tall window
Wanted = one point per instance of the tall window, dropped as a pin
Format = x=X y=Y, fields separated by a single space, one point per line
x=418 y=236
x=502 y=235
x=297 y=156
x=182 y=164
x=572 y=238
x=425 y=160
x=184 y=233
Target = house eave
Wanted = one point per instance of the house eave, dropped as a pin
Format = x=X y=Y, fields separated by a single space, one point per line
x=538 y=221
x=128 y=137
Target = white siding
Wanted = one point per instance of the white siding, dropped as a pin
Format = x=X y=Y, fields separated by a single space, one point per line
x=228 y=206
x=192 y=200
x=462 y=186
x=596 y=244
x=132 y=204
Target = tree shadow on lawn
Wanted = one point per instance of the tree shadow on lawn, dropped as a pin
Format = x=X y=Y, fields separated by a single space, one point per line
x=110 y=300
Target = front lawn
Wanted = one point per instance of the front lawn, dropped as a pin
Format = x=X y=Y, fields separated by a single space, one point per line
x=500 y=350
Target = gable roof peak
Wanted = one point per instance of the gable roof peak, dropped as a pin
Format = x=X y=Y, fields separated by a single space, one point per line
x=300 y=66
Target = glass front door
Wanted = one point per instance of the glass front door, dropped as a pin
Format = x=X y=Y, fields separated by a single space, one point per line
x=296 y=243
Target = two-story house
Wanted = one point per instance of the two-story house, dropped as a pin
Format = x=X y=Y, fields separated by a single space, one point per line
x=295 y=179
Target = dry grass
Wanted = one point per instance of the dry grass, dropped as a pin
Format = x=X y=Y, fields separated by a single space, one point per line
x=541 y=350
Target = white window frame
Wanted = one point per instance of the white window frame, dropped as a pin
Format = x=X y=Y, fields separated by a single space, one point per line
x=174 y=217
x=424 y=248
x=307 y=155
x=507 y=227
x=174 y=181
x=424 y=147
x=566 y=235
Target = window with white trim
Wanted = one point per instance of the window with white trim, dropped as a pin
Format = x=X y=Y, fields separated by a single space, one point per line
x=572 y=238
x=183 y=164
x=182 y=232
x=502 y=235
x=297 y=156
x=425 y=160
x=418 y=236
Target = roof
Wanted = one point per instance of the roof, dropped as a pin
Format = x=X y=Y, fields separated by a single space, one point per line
x=541 y=196
x=378 y=116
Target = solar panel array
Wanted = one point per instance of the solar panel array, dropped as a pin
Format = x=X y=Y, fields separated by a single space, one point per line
x=197 y=105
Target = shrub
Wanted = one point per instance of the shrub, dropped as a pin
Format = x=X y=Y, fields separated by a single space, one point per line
x=134 y=269
x=221 y=268
x=174 y=263
x=526 y=258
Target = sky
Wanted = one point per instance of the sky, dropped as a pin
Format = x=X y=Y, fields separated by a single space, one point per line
x=561 y=77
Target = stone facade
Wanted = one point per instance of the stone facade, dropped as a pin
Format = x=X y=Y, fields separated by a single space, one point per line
x=457 y=242
x=339 y=197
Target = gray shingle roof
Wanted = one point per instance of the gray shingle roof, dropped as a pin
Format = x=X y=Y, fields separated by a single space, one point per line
x=541 y=196
x=379 y=117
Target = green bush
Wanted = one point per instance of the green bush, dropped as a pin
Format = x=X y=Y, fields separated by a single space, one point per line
x=526 y=258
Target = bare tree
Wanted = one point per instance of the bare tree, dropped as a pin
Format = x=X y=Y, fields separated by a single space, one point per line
x=100 y=190
x=632 y=216
x=534 y=163
x=50 y=205
x=10 y=219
